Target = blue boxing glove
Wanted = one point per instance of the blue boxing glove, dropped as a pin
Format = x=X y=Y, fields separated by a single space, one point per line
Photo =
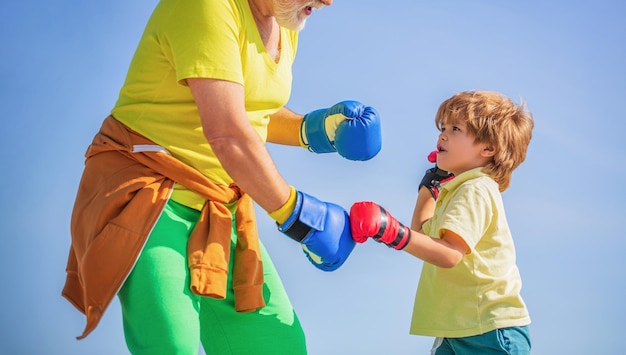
x=348 y=128
x=323 y=229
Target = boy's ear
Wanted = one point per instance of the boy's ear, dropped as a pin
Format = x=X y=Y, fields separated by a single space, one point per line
x=488 y=151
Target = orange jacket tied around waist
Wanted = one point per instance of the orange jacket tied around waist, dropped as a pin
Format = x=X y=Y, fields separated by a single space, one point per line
x=125 y=185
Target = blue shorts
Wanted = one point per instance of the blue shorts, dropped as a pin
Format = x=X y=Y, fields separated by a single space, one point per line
x=510 y=341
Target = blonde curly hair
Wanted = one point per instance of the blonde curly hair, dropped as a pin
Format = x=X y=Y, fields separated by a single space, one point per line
x=496 y=120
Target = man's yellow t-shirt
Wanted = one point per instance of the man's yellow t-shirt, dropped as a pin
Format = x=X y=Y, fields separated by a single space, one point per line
x=220 y=41
x=482 y=292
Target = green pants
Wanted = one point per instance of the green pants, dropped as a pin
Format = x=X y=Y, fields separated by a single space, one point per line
x=162 y=316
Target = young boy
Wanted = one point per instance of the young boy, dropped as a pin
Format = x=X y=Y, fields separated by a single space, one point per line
x=469 y=290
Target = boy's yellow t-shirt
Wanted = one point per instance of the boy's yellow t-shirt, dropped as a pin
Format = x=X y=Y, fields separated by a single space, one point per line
x=482 y=292
x=219 y=40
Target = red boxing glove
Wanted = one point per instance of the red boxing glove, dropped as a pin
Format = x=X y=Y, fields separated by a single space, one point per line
x=370 y=220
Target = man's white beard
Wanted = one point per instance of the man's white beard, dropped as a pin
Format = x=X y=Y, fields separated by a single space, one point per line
x=287 y=14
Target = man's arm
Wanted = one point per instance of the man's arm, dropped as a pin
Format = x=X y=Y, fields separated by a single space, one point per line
x=235 y=142
x=284 y=128
x=321 y=228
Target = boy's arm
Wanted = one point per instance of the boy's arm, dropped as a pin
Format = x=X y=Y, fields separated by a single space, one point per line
x=445 y=252
x=424 y=208
x=370 y=220
x=428 y=192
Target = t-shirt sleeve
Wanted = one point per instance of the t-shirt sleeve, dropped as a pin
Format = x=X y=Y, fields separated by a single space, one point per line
x=205 y=43
x=468 y=214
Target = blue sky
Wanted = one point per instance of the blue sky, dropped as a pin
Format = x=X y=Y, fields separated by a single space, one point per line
x=64 y=61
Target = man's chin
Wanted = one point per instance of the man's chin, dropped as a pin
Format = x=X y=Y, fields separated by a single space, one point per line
x=293 y=25
x=300 y=26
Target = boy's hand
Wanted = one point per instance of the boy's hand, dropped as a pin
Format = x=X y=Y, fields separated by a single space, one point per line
x=370 y=220
x=435 y=177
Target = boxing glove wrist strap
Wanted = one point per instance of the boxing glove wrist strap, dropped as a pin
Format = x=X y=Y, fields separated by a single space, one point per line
x=308 y=217
x=296 y=231
x=293 y=226
x=402 y=237
x=313 y=132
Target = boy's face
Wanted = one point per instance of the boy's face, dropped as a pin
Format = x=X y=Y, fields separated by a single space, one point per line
x=456 y=150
